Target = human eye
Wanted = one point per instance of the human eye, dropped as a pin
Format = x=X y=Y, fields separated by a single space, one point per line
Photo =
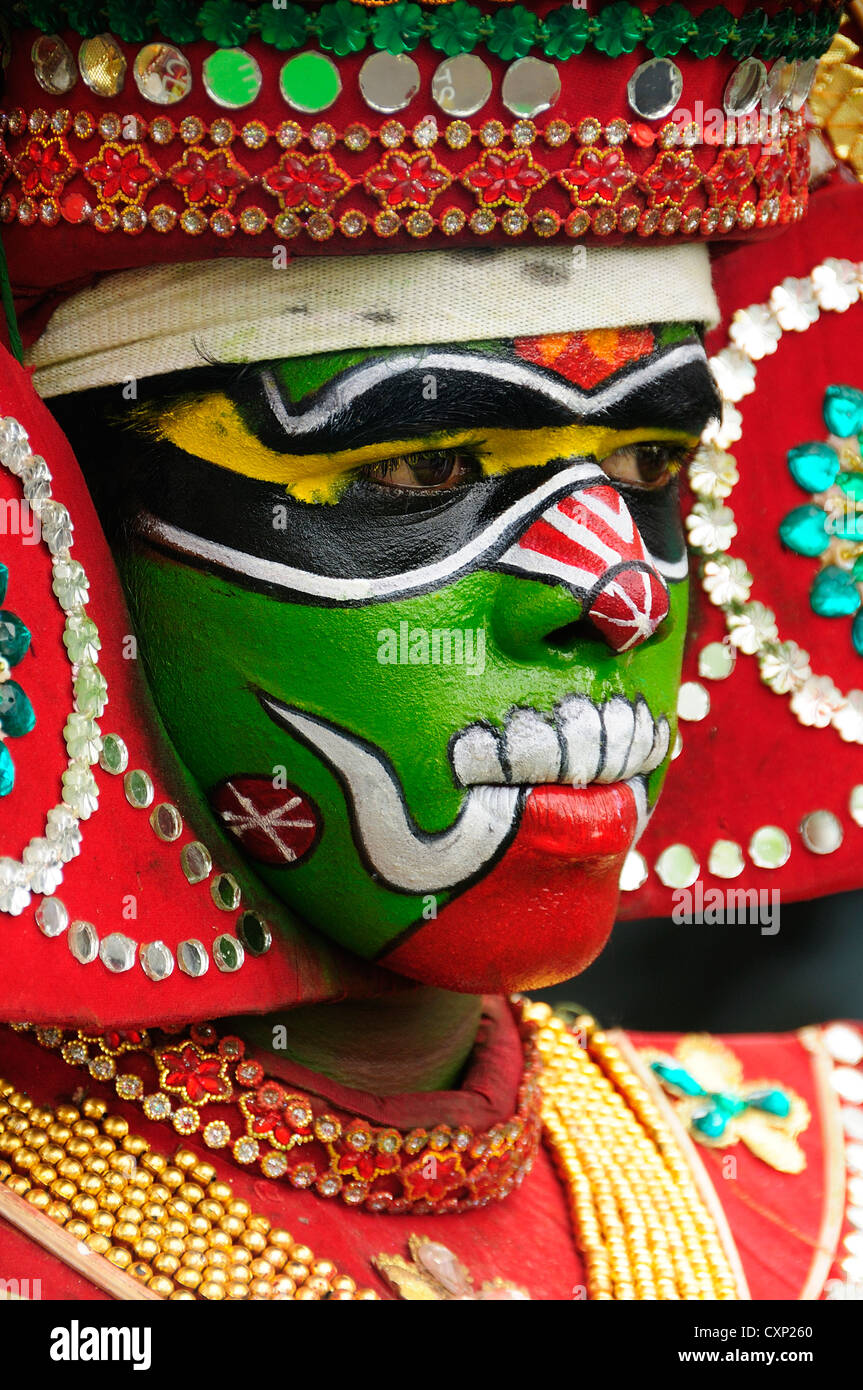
x=432 y=470
x=651 y=465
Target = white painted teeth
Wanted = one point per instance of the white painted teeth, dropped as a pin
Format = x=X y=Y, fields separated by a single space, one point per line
x=581 y=734
x=578 y=743
x=476 y=757
x=532 y=748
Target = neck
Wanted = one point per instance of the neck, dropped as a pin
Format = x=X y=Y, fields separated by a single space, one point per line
x=416 y=1039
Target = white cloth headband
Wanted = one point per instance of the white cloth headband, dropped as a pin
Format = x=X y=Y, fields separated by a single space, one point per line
x=164 y=318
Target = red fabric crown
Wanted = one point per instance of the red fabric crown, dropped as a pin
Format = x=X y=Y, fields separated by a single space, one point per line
x=453 y=124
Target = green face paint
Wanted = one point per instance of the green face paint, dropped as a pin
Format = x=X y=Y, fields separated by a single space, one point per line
x=394 y=697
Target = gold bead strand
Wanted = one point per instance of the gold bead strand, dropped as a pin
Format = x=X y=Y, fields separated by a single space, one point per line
x=169 y=1224
x=638 y=1216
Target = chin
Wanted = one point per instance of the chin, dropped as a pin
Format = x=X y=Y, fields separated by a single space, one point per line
x=545 y=910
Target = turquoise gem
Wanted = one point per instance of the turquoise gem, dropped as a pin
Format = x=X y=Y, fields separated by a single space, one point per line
x=728 y=1105
x=711 y=1123
x=834 y=593
x=852 y=485
x=857 y=633
x=678 y=1078
x=843 y=410
x=857 y=571
x=7 y=771
x=4 y=581
x=14 y=637
x=805 y=530
x=16 y=712
x=773 y=1102
x=814 y=466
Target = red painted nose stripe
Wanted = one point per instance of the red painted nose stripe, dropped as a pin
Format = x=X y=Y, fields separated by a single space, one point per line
x=590 y=542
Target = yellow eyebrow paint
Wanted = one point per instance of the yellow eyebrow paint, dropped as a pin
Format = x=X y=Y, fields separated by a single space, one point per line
x=211 y=428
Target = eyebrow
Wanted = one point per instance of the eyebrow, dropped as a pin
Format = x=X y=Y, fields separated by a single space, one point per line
x=387 y=399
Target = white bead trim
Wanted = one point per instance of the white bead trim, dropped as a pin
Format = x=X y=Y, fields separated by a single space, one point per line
x=40 y=871
x=794 y=306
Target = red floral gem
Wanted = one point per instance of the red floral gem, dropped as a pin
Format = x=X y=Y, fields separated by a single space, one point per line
x=285 y=1120
x=43 y=168
x=434 y=1176
x=123 y=174
x=774 y=169
x=597 y=176
x=670 y=178
x=275 y=825
x=502 y=178
x=312 y=182
x=403 y=180
x=199 y=1076
x=730 y=175
x=208 y=178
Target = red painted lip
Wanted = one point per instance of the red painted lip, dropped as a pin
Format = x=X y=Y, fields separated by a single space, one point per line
x=579 y=823
x=544 y=910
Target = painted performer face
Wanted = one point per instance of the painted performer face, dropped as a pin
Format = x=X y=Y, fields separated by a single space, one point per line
x=414 y=619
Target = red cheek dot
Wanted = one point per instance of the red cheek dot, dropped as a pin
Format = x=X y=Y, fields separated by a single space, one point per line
x=272 y=824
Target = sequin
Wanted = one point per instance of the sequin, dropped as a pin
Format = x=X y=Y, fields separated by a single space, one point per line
x=461 y=86
x=117 y=953
x=225 y=892
x=53 y=64
x=310 y=82
x=716 y=661
x=192 y=958
x=114 y=757
x=162 y=74
x=726 y=859
x=83 y=942
x=52 y=916
x=844 y=1044
x=655 y=88
x=103 y=65
x=677 y=867
x=196 y=861
x=138 y=786
x=166 y=821
x=744 y=87
x=157 y=961
x=779 y=85
x=802 y=84
x=232 y=77
x=634 y=872
x=389 y=81
x=254 y=933
x=821 y=832
x=693 y=701
x=530 y=86
x=228 y=953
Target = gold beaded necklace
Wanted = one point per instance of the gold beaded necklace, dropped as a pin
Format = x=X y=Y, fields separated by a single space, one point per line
x=638 y=1217
x=643 y=1227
